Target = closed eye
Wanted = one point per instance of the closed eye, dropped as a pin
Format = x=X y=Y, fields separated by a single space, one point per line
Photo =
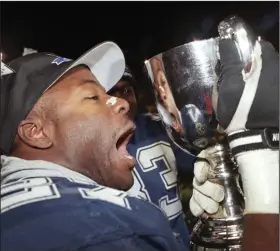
x=93 y=97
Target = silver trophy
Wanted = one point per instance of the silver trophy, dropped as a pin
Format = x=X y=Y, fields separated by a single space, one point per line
x=185 y=83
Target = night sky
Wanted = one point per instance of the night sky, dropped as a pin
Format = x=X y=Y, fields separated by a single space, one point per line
x=141 y=29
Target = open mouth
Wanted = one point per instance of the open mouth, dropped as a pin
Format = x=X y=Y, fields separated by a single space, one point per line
x=124 y=138
x=122 y=142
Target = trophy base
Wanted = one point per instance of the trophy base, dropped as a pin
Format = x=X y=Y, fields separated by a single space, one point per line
x=220 y=234
x=229 y=248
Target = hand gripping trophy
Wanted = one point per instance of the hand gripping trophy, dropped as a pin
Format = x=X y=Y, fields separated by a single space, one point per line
x=185 y=83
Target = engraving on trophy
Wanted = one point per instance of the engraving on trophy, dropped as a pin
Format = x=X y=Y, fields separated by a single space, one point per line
x=200 y=129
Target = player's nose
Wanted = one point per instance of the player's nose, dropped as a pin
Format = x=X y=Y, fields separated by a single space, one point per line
x=122 y=106
x=119 y=105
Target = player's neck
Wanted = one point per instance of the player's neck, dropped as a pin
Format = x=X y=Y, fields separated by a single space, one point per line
x=37 y=154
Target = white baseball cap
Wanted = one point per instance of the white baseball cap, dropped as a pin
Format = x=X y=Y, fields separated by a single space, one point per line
x=106 y=62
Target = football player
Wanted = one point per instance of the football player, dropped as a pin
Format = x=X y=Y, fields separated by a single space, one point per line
x=66 y=162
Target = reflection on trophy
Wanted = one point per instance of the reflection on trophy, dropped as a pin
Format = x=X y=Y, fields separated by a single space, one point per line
x=185 y=82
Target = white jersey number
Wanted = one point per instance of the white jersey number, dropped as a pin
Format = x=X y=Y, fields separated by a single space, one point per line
x=106 y=194
x=148 y=158
x=23 y=192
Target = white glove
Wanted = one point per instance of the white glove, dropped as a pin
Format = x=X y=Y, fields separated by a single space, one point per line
x=206 y=194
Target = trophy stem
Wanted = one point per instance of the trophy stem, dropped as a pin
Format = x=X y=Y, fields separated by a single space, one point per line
x=223 y=230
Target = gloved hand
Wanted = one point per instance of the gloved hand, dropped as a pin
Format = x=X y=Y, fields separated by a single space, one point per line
x=248 y=110
x=206 y=194
x=248 y=100
x=247 y=104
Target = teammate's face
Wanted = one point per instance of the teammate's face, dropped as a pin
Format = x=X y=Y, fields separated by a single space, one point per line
x=92 y=129
x=123 y=89
x=165 y=94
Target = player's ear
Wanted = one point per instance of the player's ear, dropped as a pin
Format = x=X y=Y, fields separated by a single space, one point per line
x=32 y=132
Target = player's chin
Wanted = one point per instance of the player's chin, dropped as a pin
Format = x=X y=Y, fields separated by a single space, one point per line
x=123 y=166
x=123 y=176
x=127 y=182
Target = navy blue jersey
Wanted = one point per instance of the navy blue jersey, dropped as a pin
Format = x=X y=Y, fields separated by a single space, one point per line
x=155 y=174
x=59 y=214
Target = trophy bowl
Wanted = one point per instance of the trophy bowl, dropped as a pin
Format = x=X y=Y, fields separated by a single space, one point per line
x=185 y=81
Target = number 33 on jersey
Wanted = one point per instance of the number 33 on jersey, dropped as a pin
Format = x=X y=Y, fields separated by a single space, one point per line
x=158 y=165
x=155 y=174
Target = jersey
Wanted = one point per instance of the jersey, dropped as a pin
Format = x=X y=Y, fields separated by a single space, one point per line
x=60 y=213
x=155 y=174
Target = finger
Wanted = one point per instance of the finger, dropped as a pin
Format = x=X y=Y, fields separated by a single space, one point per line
x=196 y=210
x=210 y=189
x=231 y=82
x=268 y=51
x=201 y=169
x=207 y=152
x=268 y=86
x=229 y=56
x=206 y=203
x=270 y=62
x=204 y=215
x=207 y=157
x=202 y=154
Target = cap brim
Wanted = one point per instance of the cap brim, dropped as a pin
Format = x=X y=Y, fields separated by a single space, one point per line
x=106 y=62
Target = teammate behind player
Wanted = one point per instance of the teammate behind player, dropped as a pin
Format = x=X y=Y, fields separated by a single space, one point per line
x=65 y=143
x=155 y=173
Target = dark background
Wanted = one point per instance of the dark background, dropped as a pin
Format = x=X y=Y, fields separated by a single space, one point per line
x=141 y=29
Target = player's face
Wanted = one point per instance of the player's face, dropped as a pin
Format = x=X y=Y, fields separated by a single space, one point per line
x=123 y=89
x=93 y=128
x=165 y=94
